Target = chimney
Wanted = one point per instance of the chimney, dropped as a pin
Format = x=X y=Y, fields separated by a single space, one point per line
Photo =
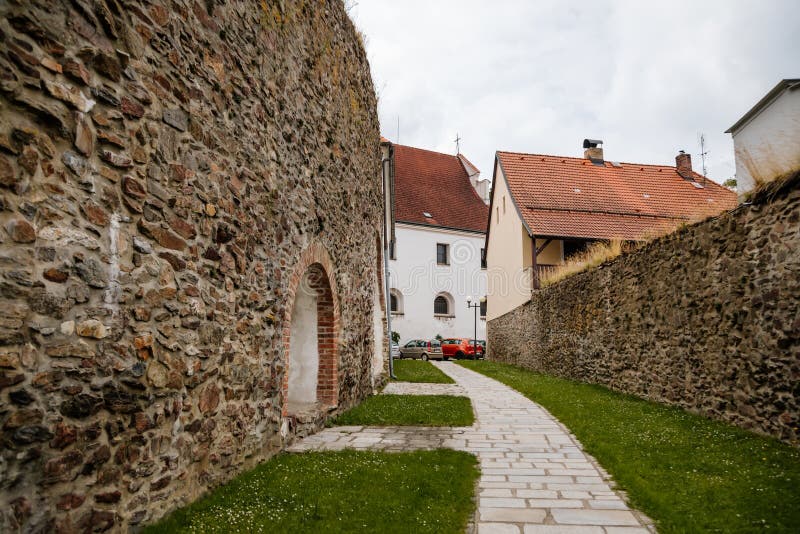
x=683 y=164
x=593 y=150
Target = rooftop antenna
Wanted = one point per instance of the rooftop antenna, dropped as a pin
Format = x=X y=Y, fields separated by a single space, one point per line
x=398 y=130
x=703 y=154
x=458 y=144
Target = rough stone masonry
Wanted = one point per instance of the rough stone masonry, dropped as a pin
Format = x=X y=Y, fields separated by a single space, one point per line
x=163 y=167
x=706 y=318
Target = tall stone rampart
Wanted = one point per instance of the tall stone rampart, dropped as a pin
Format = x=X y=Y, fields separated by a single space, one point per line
x=706 y=318
x=165 y=166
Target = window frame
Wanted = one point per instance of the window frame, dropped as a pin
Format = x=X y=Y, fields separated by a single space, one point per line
x=446 y=254
x=438 y=299
x=399 y=302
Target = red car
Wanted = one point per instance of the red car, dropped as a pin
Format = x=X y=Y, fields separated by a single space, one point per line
x=461 y=348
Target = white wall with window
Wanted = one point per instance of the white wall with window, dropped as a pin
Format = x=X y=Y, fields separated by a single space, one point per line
x=433 y=272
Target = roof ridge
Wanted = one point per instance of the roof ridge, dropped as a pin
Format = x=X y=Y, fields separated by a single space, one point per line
x=584 y=159
x=426 y=150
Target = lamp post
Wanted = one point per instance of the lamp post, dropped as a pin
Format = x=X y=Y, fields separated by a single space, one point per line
x=475 y=332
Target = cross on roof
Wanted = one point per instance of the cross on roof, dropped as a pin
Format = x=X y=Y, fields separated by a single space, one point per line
x=458 y=145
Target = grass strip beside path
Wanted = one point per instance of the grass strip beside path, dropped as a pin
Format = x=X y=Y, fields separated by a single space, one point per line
x=409 y=410
x=419 y=371
x=346 y=491
x=688 y=473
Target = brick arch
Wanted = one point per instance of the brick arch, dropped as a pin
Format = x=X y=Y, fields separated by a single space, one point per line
x=317 y=264
x=380 y=267
x=381 y=294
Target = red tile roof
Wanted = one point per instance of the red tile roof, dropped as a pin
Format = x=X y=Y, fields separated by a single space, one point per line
x=571 y=197
x=437 y=184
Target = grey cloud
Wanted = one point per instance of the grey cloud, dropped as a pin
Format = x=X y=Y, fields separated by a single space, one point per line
x=540 y=76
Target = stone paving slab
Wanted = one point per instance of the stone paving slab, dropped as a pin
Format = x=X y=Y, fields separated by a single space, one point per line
x=535 y=477
x=416 y=388
x=389 y=438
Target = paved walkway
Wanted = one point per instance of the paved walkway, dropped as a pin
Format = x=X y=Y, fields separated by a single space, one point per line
x=419 y=388
x=534 y=476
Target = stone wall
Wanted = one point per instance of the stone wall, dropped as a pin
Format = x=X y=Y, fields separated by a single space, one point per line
x=164 y=165
x=706 y=318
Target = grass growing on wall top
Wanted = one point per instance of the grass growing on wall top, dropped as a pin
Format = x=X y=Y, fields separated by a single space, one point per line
x=594 y=255
x=688 y=473
x=347 y=491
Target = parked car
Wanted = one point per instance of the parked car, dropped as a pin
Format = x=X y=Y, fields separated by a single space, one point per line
x=422 y=349
x=395 y=350
x=462 y=347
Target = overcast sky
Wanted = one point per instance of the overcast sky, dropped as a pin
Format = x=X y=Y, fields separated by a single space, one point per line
x=540 y=76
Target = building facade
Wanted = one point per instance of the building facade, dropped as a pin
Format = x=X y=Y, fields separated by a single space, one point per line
x=436 y=258
x=766 y=140
x=546 y=208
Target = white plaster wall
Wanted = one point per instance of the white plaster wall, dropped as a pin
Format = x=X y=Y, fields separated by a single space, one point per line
x=769 y=145
x=303 y=351
x=416 y=275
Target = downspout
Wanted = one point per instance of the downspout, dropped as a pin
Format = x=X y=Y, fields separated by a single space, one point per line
x=386 y=172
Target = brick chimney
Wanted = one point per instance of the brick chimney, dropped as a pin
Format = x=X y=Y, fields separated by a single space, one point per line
x=683 y=164
x=593 y=150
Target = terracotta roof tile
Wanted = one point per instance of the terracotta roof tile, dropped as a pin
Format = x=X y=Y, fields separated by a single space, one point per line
x=572 y=197
x=437 y=184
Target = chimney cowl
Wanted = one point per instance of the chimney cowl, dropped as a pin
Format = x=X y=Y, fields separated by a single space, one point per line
x=592 y=143
x=593 y=150
x=683 y=164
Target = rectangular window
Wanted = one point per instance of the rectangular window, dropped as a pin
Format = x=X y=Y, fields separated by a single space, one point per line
x=483 y=258
x=392 y=244
x=441 y=254
x=483 y=309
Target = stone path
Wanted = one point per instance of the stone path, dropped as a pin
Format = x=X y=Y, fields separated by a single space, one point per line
x=417 y=388
x=534 y=476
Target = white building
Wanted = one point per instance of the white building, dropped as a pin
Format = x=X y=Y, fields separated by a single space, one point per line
x=766 y=139
x=436 y=259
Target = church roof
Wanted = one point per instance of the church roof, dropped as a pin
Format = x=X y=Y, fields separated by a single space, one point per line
x=572 y=197
x=434 y=189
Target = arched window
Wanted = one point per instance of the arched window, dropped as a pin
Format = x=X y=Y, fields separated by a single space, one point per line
x=395 y=301
x=443 y=305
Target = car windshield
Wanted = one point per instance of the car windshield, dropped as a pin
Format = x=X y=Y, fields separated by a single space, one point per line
x=481 y=342
x=435 y=343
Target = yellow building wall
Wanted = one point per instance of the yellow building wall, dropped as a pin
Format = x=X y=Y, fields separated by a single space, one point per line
x=509 y=255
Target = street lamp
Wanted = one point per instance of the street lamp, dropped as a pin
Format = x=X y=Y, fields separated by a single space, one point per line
x=475 y=336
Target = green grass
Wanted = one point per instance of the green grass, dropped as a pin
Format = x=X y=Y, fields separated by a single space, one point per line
x=688 y=473
x=405 y=410
x=419 y=371
x=347 y=491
